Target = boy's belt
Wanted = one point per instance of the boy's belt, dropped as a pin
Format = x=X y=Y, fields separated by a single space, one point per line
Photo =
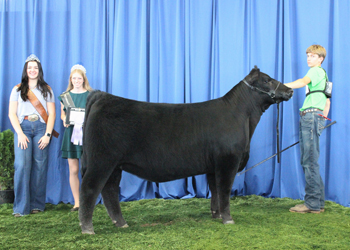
x=302 y=113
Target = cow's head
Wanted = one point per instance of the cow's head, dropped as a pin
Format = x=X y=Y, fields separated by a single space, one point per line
x=266 y=85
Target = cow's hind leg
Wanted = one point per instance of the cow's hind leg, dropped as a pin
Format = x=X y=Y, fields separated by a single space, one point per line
x=110 y=195
x=214 y=201
x=87 y=200
x=92 y=184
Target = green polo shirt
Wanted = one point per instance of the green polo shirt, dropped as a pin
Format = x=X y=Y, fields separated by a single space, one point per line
x=318 y=82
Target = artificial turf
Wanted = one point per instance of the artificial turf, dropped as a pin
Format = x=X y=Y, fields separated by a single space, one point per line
x=260 y=223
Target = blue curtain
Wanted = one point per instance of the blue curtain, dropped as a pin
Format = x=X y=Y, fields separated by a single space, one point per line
x=186 y=51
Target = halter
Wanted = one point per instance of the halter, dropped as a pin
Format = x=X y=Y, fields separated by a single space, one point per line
x=271 y=93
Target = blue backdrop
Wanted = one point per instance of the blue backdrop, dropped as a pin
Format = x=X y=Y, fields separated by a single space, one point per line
x=185 y=51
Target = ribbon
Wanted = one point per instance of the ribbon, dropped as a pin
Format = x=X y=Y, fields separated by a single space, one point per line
x=77 y=135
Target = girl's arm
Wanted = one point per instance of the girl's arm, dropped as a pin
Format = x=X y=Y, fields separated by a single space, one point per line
x=63 y=116
x=45 y=140
x=22 y=138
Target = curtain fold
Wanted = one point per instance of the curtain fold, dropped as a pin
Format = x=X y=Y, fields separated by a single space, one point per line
x=185 y=52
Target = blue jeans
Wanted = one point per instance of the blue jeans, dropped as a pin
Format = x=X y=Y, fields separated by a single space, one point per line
x=311 y=127
x=30 y=170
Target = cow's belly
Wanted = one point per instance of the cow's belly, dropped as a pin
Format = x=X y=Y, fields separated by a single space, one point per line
x=164 y=173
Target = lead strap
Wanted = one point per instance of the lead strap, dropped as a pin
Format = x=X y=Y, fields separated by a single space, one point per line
x=278 y=134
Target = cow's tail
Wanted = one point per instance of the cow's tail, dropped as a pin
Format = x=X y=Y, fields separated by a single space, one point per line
x=91 y=99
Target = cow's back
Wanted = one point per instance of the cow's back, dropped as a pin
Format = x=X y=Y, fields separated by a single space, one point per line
x=146 y=139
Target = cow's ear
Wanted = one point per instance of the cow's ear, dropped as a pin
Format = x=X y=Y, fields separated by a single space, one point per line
x=257 y=71
x=254 y=73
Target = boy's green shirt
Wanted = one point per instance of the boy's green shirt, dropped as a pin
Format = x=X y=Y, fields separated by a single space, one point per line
x=318 y=82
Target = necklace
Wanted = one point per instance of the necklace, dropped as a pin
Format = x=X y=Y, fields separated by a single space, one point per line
x=33 y=87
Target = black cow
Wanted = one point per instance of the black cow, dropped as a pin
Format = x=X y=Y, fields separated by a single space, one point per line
x=163 y=142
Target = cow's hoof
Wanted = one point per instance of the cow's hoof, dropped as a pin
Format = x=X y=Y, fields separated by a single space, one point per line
x=88 y=232
x=216 y=216
x=228 y=222
x=119 y=225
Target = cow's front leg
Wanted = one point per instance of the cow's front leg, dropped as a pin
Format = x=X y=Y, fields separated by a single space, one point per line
x=214 y=201
x=110 y=194
x=225 y=176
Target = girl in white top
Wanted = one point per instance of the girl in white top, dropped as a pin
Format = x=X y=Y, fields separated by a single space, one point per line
x=31 y=139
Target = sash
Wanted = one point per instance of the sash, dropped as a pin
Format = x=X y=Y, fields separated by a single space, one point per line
x=39 y=107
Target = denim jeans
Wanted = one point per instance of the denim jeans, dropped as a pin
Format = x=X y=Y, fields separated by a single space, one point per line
x=30 y=170
x=311 y=127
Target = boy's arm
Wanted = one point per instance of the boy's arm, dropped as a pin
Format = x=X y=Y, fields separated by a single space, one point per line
x=299 y=83
x=327 y=107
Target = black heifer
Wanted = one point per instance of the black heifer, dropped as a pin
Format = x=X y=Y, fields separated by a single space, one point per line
x=164 y=142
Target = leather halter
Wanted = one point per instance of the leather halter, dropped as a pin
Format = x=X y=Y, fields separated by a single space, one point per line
x=271 y=93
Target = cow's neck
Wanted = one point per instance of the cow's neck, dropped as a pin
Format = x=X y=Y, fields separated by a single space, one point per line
x=252 y=103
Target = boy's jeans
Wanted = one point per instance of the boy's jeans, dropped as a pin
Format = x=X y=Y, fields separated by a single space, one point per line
x=311 y=127
x=30 y=170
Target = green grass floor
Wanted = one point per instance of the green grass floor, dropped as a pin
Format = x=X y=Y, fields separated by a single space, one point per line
x=260 y=223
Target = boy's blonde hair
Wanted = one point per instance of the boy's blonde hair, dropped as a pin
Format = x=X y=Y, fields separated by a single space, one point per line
x=318 y=50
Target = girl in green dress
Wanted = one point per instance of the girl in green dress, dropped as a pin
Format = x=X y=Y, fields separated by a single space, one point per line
x=78 y=88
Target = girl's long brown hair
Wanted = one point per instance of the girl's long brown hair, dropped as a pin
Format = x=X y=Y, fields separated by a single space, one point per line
x=41 y=85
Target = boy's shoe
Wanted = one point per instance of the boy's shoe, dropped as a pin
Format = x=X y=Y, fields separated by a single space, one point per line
x=35 y=211
x=302 y=209
x=17 y=215
x=300 y=205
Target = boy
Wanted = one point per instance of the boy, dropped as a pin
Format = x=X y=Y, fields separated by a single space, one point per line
x=316 y=105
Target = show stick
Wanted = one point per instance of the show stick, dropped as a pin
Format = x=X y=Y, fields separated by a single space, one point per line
x=240 y=173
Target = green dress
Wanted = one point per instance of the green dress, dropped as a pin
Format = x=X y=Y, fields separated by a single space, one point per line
x=69 y=150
